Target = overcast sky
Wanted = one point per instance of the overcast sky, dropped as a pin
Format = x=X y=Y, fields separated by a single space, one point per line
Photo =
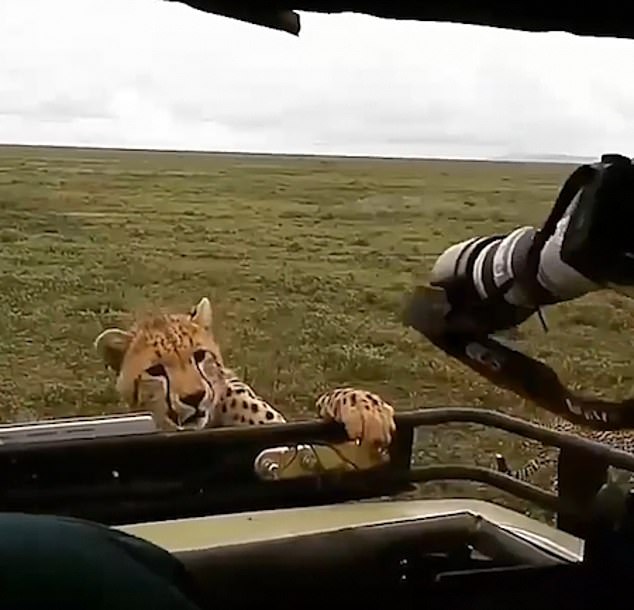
x=154 y=74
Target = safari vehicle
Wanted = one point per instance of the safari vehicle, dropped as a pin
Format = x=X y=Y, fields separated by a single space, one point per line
x=248 y=532
x=251 y=531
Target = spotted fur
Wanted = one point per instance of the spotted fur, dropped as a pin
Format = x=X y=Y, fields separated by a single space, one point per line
x=172 y=366
x=241 y=406
x=547 y=456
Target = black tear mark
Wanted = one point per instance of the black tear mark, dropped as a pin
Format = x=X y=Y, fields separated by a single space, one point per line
x=212 y=390
x=168 y=398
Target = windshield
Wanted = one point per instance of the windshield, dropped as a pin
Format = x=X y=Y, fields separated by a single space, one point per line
x=282 y=195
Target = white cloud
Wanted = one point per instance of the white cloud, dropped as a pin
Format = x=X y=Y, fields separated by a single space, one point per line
x=148 y=73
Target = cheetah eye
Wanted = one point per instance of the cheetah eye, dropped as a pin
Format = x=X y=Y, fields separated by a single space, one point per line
x=158 y=370
x=199 y=355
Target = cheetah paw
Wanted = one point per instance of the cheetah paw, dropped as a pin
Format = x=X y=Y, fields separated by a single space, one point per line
x=368 y=419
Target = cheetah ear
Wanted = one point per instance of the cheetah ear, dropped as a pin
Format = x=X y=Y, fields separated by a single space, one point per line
x=111 y=345
x=202 y=314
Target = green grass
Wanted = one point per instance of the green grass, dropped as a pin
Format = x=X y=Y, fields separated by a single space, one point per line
x=306 y=261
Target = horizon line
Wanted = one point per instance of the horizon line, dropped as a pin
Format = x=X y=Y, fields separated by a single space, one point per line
x=559 y=158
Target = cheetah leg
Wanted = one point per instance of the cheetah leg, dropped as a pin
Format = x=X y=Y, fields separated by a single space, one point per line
x=618 y=439
x=369 y=423
x=368 y=419
x=529 y=469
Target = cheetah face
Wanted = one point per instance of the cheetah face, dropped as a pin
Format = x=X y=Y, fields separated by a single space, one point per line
x=182 y=392
x=170 y=366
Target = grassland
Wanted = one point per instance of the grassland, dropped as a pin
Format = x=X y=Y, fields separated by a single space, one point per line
x=306 y=261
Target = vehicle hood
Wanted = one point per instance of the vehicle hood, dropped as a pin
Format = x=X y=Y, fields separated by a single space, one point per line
x=259 y=526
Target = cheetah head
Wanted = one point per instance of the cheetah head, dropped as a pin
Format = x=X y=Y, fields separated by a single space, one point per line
x=169 y=365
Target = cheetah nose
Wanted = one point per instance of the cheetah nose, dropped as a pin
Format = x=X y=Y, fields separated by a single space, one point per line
x=193 y=400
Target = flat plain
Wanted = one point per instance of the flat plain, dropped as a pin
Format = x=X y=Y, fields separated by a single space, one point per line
x=306 y=260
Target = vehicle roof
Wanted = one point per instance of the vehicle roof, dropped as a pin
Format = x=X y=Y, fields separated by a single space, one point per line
x=612 y=20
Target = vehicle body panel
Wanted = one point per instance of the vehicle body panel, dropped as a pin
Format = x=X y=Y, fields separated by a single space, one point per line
x=259 y=526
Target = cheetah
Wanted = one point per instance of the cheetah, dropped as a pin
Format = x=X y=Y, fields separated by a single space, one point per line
x=171 y=366
x=547 y=456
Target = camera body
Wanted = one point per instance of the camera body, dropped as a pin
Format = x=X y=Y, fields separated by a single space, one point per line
x=599 y=240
